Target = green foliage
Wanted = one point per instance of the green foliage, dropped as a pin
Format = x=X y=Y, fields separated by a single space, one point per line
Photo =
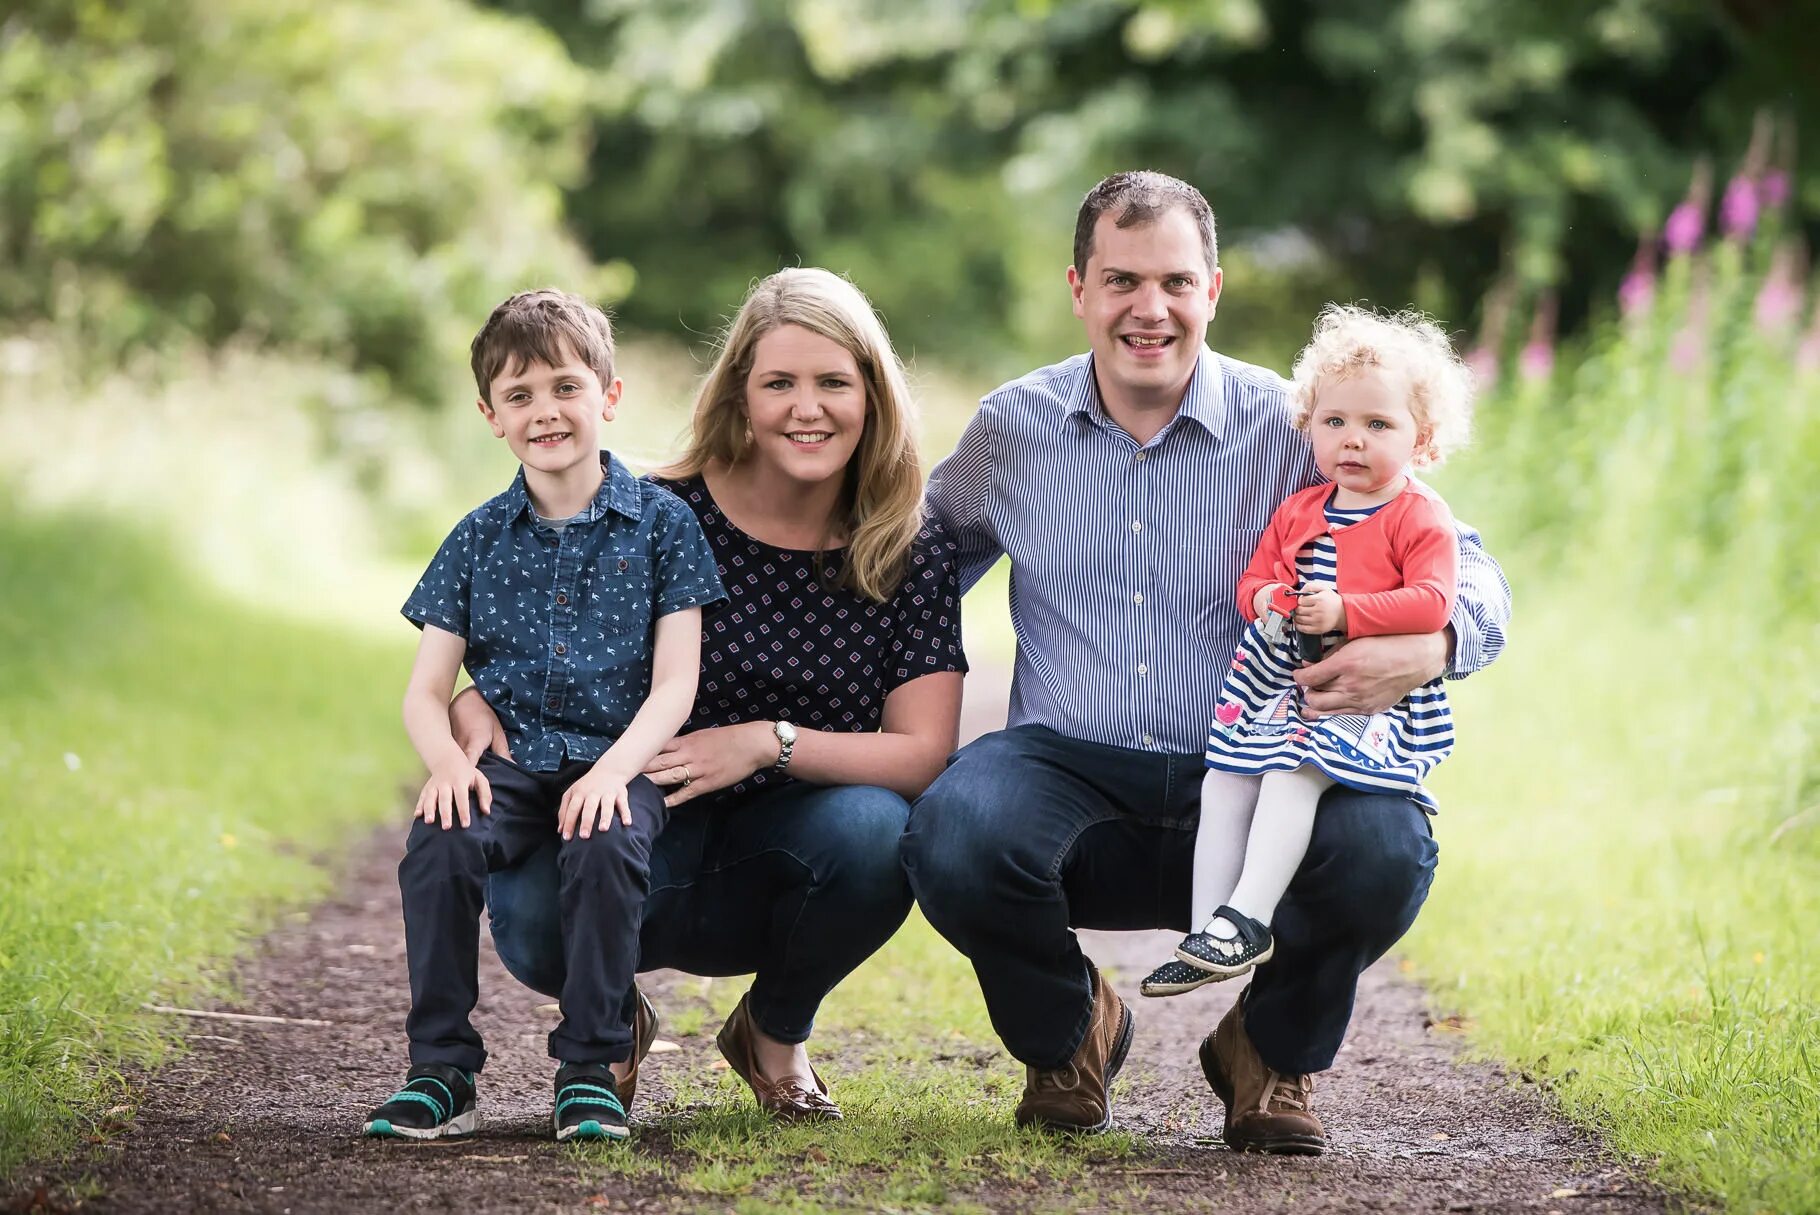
x=360 y=181
x=171 y=764
x=1631 y=840
x=936 y=150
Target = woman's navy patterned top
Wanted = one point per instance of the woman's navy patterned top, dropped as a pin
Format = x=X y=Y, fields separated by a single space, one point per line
x=789 y=645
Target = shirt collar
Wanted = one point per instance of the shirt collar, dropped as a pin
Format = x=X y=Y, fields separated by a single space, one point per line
x=1204 y=402
x=618 y=492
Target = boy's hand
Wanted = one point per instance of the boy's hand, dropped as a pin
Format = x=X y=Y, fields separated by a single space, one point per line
x=1260 y=602
x=1320 y=611
x=594 y=798
x=445 y=795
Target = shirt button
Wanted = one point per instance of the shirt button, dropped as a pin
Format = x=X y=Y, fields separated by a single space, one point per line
x=1148 y=740
x=1138 y=598
x=1136 y=526
x=561 y=648
x=1141 y=456
x=1143 y=669
x=555 y=703
x=562 y=600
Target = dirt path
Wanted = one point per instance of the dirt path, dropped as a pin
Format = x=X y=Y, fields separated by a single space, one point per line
x=258 y=1118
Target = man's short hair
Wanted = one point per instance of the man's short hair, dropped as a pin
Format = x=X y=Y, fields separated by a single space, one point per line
x=1142 y=197
x=545 y=326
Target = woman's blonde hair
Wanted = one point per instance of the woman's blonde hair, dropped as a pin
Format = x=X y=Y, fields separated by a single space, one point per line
x=882 y=502
x=1349 y=340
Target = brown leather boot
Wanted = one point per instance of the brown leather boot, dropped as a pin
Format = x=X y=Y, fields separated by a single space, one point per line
x=1266 y=1111
x=1077 y=1097
x=644 y=1032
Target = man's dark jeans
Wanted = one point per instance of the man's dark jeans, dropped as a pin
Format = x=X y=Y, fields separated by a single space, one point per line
x=1028 y=835
x=799 y=883
x=597 y=889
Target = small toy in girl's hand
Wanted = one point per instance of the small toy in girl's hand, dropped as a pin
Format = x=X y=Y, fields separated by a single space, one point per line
x=1275 y=621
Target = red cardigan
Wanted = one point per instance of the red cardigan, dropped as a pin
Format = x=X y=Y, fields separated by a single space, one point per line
x=1398 y=568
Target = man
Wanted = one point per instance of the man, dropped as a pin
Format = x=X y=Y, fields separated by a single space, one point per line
x=1129 y=486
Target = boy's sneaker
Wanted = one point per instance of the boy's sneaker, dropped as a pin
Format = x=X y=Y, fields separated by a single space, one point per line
x=436 y=1102
x=1224 y=959
x=1174 y=977
x=587 y=1103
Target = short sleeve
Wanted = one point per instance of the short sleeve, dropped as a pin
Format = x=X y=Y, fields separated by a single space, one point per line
x=682 y=562
x=441 y=597
x=926 y=637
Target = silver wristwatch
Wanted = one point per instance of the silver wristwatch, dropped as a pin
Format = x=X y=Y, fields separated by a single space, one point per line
x=786 y=743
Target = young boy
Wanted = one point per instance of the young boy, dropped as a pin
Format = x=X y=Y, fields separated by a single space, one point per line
x=575 y=600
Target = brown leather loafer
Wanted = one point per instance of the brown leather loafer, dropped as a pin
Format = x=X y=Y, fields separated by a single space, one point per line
x=788 y=1100
x=1266 y=1110
x=644 y=1032
x=1077 y=1097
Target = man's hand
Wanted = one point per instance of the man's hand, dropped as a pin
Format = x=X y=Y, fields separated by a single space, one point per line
x=712 y=759
x=476 y=727
x=445 y=794
x=594 y=798
x=1319 y=611
x=1370 y=674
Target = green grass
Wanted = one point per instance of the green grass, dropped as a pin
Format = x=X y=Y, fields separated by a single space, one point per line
x=1615 y=910
x=928 y=1106
x=1630 y=839
x=171 y=763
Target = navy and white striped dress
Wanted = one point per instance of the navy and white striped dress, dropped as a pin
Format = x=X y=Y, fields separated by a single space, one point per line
x=1389 y=752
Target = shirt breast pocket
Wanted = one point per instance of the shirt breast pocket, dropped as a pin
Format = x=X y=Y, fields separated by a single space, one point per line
x=619 y=596
x=1207 y=576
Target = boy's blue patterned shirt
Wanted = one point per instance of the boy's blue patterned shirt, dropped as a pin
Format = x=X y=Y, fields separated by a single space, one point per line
x=559 y=621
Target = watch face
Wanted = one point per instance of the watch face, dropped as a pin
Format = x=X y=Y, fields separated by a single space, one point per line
x=786 y=732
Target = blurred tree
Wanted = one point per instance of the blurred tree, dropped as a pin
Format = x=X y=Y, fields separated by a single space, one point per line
x=935 y=149
x=359 y=180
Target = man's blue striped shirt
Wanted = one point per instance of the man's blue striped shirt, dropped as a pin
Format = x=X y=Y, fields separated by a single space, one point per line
x=1125 y=556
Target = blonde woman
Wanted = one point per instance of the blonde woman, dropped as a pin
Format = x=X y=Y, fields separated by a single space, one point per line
x=830 y=687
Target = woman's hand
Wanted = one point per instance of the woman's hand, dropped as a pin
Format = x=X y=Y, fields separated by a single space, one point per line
x=476 y=727
x=712 y=759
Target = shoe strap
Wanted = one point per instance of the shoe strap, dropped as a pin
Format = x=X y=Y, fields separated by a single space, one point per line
x=423 y=1097
x=588 y=1094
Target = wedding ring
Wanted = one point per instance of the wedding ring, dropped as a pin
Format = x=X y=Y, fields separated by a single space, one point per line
x=687 y=779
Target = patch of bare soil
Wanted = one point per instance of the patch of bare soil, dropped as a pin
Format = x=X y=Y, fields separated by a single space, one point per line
x=264 y=1118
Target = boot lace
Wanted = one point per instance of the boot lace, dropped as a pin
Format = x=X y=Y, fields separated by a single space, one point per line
x=1286 y=1092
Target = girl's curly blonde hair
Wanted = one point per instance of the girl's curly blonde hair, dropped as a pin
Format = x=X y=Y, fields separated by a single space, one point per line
x=1349 y=340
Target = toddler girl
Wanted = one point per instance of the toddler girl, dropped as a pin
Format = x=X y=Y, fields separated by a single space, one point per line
x=1372 y=553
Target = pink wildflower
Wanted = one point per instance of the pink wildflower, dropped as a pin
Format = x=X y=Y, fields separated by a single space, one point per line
x=1684 y=228
x=1537 y=362
x=1779 y=299
x=1638 y=290
x=1738 y=209
x=1774 y=189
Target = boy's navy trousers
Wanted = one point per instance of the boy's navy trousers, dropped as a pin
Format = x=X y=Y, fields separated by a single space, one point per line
x=602 y=885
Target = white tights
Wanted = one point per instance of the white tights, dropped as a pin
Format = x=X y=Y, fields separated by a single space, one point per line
x=1254 y=834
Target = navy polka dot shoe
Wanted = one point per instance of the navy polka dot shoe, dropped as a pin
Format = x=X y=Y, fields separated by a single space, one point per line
x=1174 y=977
x=1226 y=959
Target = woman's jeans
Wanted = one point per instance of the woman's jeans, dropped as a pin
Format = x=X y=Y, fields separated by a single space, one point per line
x=799 y=884
x=1029 y=835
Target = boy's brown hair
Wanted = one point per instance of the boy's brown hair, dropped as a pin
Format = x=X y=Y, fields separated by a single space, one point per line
x=544 y=326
